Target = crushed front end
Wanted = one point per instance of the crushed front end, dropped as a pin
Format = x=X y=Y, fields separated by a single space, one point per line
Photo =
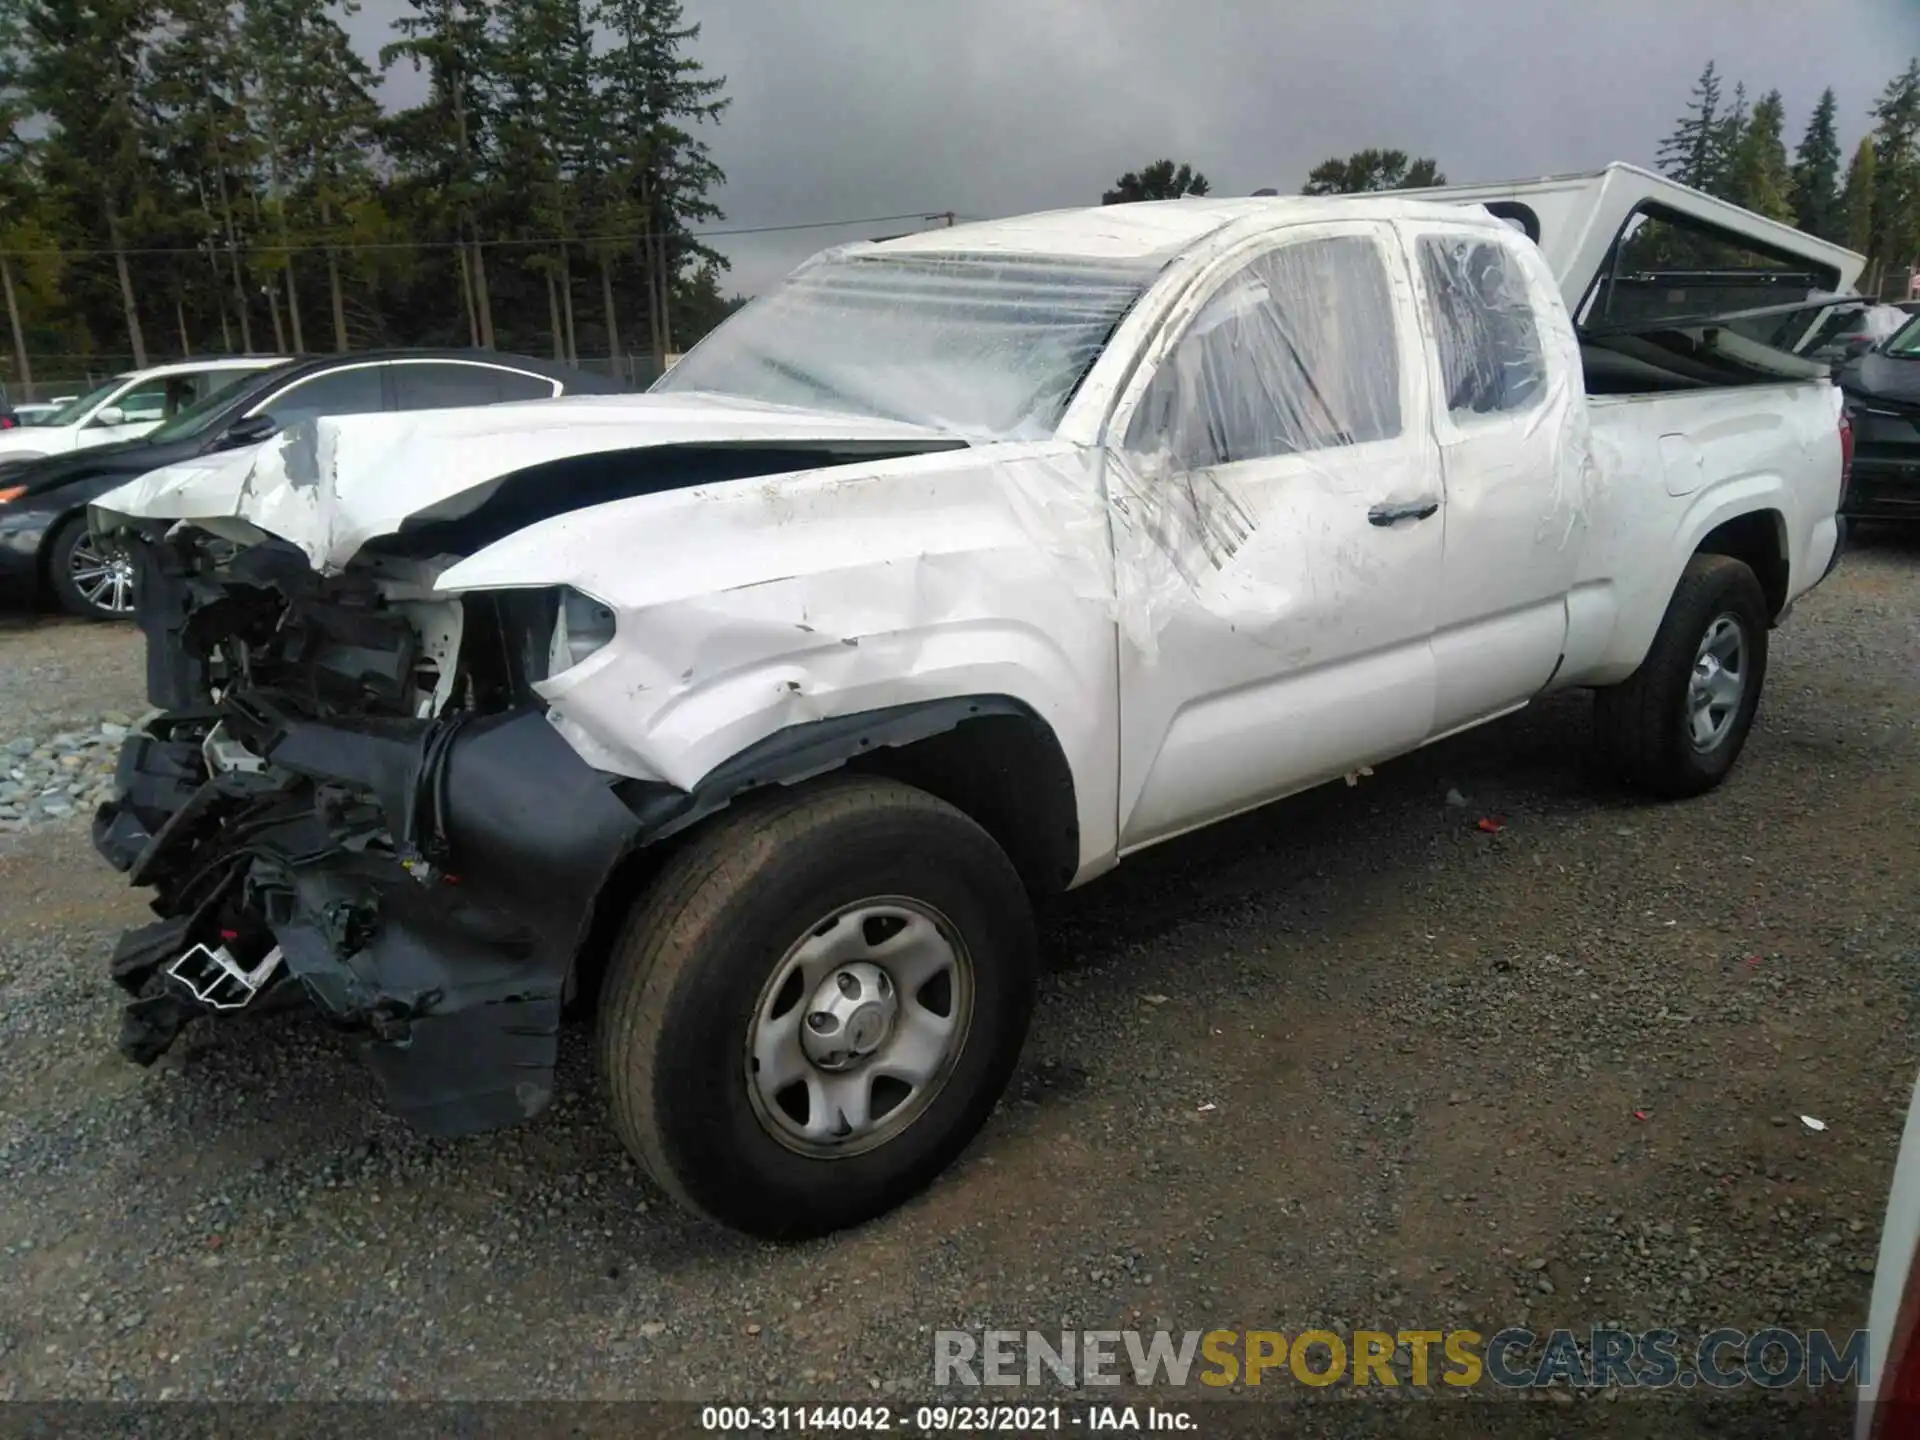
x=353 y=792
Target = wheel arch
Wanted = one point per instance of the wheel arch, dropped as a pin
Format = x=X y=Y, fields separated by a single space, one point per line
x=43 y=561
x=1758 y=539
x=1749 y=527
x=992 y=757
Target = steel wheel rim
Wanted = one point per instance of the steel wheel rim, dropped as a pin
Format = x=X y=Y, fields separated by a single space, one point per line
x=1718 y=683
x=102 y=576
x=858 y=1027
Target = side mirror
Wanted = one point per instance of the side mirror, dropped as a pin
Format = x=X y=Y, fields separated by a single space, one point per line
x=250 y=431
x=110 y=415
x=1860 y=345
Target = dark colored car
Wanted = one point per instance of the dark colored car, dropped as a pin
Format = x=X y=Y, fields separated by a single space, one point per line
x=1853 y=330
x=1882 y=388
x=44 y=544
x=8 y=420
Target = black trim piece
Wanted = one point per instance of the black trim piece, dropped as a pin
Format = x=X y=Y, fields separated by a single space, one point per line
x=1520 y=214
x=430 y=884
x=801 y=752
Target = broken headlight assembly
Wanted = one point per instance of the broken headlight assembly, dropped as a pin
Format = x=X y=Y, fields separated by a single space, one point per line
x=582 y=626
x=515 y=639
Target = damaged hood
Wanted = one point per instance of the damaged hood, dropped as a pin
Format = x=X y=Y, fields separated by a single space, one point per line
x=329 y=486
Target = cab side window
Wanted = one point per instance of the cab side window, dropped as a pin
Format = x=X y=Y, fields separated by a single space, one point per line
x=1490 y=356
x=1297 y=352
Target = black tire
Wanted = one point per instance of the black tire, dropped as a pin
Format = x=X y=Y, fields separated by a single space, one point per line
x=61 y=575
x=686 y=979
x=1644 y=725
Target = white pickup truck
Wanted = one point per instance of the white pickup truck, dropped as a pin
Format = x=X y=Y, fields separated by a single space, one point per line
x=960 y=567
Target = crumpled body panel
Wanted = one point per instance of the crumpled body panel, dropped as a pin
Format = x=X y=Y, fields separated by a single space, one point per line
x=331 y=485
x=763 y=605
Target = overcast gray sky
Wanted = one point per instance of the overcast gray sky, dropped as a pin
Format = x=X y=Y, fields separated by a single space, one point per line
x=851 y=108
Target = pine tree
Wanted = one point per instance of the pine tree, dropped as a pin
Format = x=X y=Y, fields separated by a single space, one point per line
x=448 y=138
x=315 y=119
x=1693 y=154
x=1730 y=132
x=1857 y=197
x=1161 y=180
x=19 y=194
x=200 y=97
x=1896 y=144
x=549 y=109
x=1757 y=172
x=1366 y=171
x=85 y=74
x=654 y=93
x=1816 y=173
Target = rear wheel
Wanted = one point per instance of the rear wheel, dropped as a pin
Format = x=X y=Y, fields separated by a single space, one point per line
x=91 y=578
x=1678 y=723
x=817 y=1005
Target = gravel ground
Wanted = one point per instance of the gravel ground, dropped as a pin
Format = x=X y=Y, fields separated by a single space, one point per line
x=1353 y=1061
x=68 y=692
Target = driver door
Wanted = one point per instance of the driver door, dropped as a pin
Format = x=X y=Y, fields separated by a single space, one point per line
x=1278 y=517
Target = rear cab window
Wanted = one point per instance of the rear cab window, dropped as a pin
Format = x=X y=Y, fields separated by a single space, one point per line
x=1484 y=327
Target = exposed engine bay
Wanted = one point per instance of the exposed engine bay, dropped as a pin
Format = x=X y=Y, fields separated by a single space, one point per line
x=353 y=788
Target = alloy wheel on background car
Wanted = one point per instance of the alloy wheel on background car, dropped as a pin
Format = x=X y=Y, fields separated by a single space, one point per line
x=102 y=575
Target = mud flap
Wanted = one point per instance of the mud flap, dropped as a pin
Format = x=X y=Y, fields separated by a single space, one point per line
x=472 y=1070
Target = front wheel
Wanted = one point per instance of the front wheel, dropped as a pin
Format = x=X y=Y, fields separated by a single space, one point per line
x=817 y=1005
x=91 y=578
x=1676 y=725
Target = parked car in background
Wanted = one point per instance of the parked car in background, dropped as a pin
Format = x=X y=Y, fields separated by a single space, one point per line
x=9 y=417
x=1853 y=330
x=1882 y=386
x=44 y=545
x=40 y=412
x=957 y=569
x=126 y=407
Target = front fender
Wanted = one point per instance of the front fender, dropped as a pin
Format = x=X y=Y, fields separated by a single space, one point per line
x=749 y=609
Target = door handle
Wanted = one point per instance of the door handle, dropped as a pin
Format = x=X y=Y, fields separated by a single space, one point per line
x=1388 y=512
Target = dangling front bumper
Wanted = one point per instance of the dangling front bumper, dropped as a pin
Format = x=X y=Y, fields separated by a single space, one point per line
x=427 y=882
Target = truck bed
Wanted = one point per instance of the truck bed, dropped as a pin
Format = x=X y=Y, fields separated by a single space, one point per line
x=1671 y=468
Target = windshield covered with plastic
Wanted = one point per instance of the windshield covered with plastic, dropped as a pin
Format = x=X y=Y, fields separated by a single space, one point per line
x=985 y=345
